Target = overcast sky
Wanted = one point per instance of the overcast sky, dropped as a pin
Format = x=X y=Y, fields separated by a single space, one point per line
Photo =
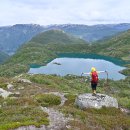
x=45 y=12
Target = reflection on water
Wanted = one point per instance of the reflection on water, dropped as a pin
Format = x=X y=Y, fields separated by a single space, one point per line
x=64 y=66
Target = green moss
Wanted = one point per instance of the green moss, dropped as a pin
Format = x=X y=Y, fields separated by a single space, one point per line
x=3 y=85
x=41 y=80
x=70 y=99
x=48 y=99
x=125 y=102
x=104 y=111
x=126 y=71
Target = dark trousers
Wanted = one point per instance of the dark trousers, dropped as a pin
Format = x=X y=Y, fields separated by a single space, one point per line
x=93 y=85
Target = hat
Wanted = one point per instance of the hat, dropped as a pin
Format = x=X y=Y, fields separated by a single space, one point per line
x=93 y=69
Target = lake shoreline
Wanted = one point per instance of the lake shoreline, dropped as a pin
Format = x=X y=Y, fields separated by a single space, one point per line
x=84 y=56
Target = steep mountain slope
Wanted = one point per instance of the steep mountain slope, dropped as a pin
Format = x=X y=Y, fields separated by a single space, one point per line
x=12 y=37
x=3 y=57
x=117 y=46
x=41 y=49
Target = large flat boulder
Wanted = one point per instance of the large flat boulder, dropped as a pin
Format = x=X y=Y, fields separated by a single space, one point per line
x=98 y=101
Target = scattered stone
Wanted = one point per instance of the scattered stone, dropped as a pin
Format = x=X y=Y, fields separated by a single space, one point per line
x=10 y=86
x=15 y=94
x=88 y=101
x=127 y=111
x=21 y=88
x=4 y=93
x=68 y=126
x=57 y=119
x=24 y=80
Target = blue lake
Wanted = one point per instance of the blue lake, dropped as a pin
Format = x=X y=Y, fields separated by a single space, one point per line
x=66 y=65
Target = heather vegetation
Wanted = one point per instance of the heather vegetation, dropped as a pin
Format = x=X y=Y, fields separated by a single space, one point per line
x=32 y=96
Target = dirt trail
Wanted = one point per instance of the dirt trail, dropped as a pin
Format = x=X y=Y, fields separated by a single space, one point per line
x=57 y=119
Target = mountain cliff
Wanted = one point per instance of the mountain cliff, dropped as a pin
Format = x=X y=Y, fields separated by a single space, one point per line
x=3 y=57
x=12 y=37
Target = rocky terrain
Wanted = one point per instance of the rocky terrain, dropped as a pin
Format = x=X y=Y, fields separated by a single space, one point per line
x=40 y=103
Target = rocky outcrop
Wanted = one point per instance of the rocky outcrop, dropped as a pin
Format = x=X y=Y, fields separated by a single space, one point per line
x=4 y=93
x=98 y=101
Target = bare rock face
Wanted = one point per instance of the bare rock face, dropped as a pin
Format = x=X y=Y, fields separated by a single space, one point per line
x=98 y=101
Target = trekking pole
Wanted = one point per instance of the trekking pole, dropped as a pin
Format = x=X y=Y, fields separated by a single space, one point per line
x=84 y=74
x=105 y=84
x=107 y=77
x=107 y=90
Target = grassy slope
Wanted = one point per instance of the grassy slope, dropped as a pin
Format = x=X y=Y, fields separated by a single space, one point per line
x=3 y=57
x=117 y=46
x=32 y=96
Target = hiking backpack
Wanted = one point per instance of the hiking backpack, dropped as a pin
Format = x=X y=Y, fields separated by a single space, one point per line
x=94 y=77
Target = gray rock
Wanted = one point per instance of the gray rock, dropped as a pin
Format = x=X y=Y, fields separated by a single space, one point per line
x=21 y=88
x=4 y=93
x=10 y=86
x=16 y=94
x=88 y=101
x=127 y=111
x=24 y=80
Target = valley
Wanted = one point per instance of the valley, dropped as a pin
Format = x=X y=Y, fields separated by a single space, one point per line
x=29 y=91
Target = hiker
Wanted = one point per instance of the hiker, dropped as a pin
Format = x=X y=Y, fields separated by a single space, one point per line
x=94 y=78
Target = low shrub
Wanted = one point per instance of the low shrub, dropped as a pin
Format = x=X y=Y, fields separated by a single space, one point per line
x=47 y=100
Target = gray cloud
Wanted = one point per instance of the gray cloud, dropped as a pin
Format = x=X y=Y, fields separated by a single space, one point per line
x=46 y=12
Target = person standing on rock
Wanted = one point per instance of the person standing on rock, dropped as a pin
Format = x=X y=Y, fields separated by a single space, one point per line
x=94 y=80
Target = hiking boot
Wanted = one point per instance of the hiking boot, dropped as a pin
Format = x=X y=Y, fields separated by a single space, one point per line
x=94 y=94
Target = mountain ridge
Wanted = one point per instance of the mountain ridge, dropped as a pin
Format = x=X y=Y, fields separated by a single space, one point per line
x=12 y=37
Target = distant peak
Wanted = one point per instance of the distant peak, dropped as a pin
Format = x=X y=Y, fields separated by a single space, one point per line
x=22 y=25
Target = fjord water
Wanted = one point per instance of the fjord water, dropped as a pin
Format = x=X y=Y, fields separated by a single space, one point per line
x=75 y=66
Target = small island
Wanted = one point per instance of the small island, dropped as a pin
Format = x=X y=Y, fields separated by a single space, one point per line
x=56 y=63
